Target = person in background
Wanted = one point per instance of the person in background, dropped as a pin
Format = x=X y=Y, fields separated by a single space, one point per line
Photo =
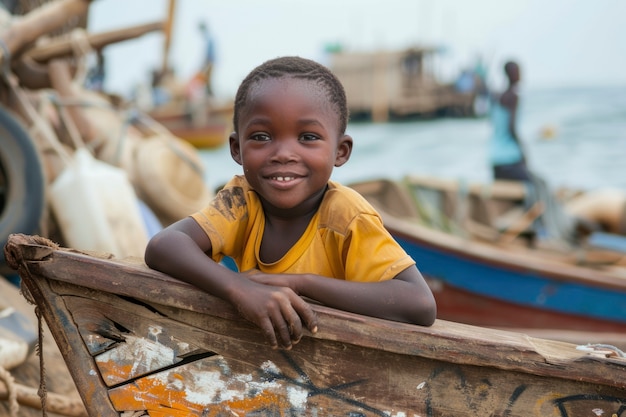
x=506 y=153
x=508 y=161
x=293 y=232
x=209 y=57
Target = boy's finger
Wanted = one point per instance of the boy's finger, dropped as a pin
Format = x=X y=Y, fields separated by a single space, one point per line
x=281 y=331
x=268 y=332
x=306 y=314
x=294 y=324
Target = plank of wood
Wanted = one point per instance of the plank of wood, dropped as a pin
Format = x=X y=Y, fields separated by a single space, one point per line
x=64 y=47
x=522 y=223
x=455 y=342
x=248 y=377
x=145 y=371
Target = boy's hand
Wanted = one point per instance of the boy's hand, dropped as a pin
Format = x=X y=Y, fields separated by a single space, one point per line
x=278 y=311
x=277 y=280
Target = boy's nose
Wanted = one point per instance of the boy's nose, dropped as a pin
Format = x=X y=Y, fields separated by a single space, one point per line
x=285 y=151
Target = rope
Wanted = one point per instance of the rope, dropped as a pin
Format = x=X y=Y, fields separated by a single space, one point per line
x=164 y=134
x=42 y=371
x=71 y=128
x=69 y=101
x=42 y=391
x=60 y=103
x=9 y=381
x=121 y=141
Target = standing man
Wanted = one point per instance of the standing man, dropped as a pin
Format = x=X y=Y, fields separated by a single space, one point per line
x=506 y=152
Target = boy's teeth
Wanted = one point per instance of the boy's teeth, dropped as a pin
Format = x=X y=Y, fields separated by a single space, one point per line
x=284 y=178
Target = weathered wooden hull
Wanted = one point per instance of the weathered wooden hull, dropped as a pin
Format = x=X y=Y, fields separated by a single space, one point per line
x=496 y=285
x=205 y=126
x=212 y=134
x=492 y=291
x=137 y=340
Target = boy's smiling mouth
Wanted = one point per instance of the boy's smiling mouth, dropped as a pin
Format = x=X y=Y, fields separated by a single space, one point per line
x=283 y=178
x=284 y=181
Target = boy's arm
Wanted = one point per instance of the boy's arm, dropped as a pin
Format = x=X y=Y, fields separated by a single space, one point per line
x=180 y=251
x=406 y=298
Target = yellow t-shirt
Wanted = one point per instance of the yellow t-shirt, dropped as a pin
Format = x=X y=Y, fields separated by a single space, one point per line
x=345 y=239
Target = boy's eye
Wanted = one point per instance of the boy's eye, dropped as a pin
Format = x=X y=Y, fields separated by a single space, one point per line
x=261 y=137
x=308 y=137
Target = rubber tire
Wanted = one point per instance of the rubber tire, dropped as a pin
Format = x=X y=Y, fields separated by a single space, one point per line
x=22 y=202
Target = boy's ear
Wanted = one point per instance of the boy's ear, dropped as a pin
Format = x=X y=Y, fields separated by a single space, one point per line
x=344 y=149
x=235 y=150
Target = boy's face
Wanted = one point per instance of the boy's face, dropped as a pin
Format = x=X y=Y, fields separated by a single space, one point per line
x=288 y=142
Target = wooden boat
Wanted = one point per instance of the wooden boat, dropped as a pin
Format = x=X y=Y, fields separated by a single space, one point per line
x=187 y=109
x=204 y=128
x=471 y=242
x=138 y=342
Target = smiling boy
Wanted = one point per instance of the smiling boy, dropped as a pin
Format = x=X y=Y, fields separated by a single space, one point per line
x=291 y=230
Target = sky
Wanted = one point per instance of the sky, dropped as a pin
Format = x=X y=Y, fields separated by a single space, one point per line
x=558 y=43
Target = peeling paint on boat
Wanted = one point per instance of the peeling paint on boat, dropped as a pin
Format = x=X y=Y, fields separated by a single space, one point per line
x=146 y=355
x=297 y=397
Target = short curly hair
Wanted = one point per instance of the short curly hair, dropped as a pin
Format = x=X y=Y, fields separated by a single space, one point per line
x=295 y=67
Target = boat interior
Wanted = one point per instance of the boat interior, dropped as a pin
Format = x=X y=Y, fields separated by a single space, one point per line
x=498 y=213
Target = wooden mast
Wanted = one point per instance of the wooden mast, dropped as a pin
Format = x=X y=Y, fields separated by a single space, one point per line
x=168 y=34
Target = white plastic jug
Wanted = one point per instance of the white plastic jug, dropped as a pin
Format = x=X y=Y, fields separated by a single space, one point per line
x=97 y=209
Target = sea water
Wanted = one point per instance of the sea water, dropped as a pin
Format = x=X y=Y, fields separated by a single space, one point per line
x=574 y=138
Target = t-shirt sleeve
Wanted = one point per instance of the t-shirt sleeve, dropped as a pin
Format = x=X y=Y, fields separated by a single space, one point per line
x=371 y=253
x=224 y=221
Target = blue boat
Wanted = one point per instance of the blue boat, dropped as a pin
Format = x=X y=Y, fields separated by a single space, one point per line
x=476 y=246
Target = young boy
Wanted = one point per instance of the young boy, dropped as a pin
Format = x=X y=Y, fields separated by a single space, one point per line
x=292 y=232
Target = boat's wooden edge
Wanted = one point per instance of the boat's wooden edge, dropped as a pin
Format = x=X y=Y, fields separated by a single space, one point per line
x=513 y=257
x=503 y=189
x=177 y=110
x=601 y=341
x=444 y=341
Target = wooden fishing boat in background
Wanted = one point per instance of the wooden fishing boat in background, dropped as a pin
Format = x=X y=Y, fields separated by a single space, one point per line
x=139 y=342
x=207 y=127
x=188 y=109
x=471 y=242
